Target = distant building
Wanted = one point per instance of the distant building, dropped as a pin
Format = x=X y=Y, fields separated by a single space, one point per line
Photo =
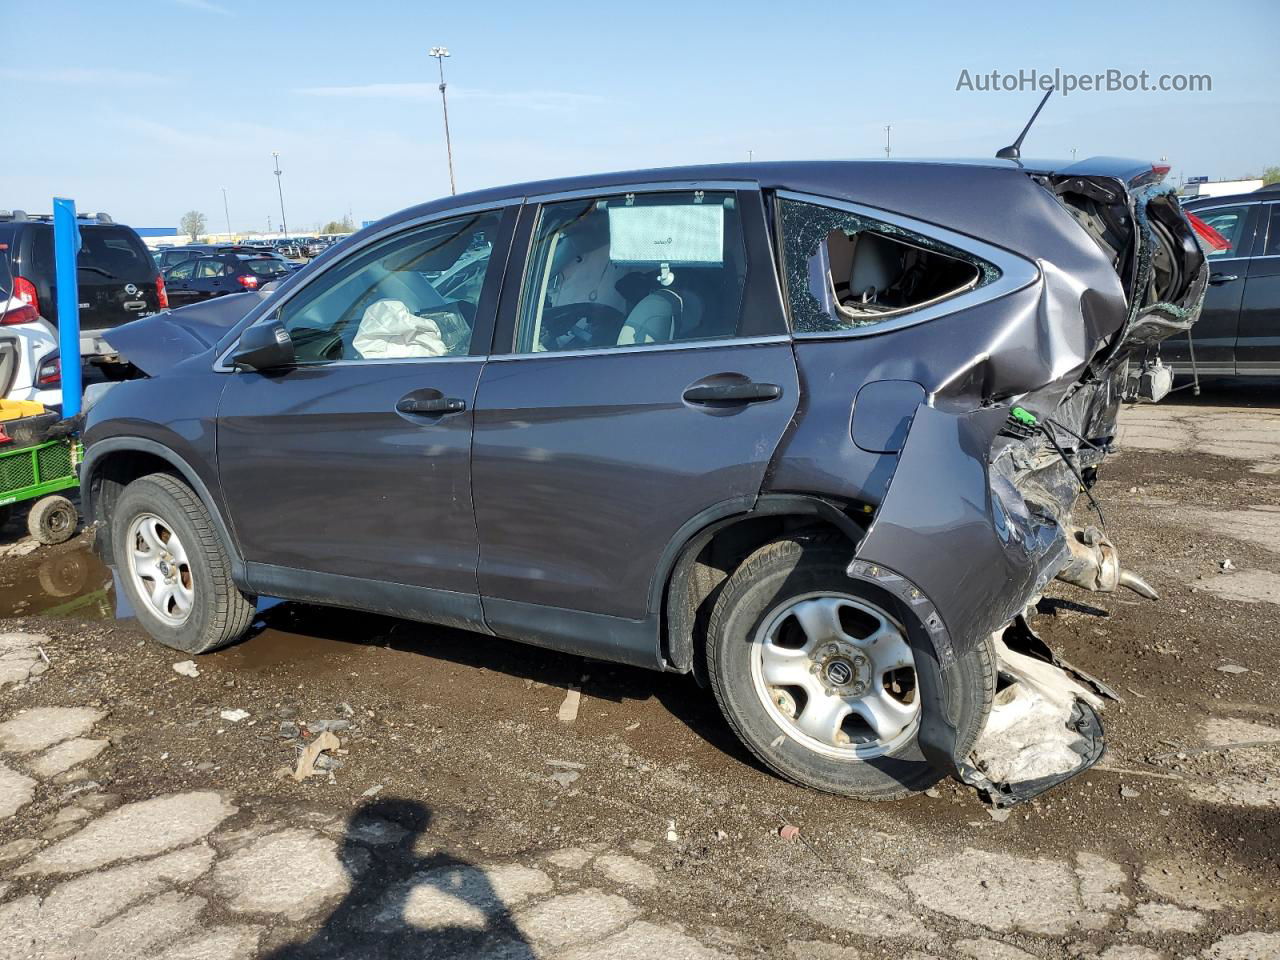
x=1204 y=187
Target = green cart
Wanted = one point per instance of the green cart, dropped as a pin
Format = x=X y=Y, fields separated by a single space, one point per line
x=40 y=472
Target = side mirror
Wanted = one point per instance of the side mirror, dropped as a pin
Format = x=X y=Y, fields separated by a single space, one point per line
x=264 y=346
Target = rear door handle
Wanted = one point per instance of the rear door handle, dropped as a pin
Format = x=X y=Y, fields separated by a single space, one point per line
x=718 y=394
x=412 y=404
x=1217 y=278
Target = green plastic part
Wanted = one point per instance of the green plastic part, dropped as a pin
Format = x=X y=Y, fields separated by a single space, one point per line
x=1024 y=416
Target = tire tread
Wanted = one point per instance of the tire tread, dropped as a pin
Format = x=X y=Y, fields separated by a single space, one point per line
x=231 y=612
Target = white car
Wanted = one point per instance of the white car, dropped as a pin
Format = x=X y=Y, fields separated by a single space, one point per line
x=29 y=363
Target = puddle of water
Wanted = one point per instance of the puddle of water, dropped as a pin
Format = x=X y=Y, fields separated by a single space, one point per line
x=69 y=583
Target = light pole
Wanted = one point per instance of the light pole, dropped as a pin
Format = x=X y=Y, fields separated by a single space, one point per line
x=284 y=224
x=440 y=53
x=887 y=128
x=226 y=210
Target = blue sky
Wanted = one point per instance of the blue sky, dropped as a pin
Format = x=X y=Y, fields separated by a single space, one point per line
x=161 y=103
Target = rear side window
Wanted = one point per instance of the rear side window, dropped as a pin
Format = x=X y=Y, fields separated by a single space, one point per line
x=633 y=269
x=1230 y=222
x=846 y=271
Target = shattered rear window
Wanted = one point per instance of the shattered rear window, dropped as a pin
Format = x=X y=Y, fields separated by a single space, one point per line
x=845 y=271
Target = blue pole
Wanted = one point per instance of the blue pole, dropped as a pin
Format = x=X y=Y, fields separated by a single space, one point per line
x=66 y=244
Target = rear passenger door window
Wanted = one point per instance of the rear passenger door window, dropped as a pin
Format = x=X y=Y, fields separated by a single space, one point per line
x=414 y=295
x=209 y=269
x=632 y=270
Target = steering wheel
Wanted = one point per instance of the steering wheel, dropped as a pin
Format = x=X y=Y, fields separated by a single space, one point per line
x=590 y=325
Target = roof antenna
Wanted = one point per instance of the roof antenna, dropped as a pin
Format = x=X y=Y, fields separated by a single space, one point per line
x=1014 y=150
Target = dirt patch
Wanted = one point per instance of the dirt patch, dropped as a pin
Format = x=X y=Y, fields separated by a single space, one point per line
x=464 y=730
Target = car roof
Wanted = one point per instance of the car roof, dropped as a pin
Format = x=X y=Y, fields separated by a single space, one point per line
x=1257 y=196
x=972 y=196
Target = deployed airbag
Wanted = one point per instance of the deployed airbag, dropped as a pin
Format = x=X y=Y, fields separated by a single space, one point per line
x=389 y=330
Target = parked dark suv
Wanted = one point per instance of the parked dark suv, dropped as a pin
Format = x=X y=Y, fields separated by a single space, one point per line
x=1239 y=329
x=117 y=279
x=812 y=432
x=205 y=277
x=172 y=256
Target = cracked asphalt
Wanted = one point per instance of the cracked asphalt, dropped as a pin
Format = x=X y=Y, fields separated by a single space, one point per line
x=468 y=812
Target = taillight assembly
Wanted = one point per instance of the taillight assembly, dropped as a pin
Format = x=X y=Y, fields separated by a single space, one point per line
x=23 y=314
x=1211 y=237
x=248 y=281
x=25 y=291
x=162 y=295
x=49 y=373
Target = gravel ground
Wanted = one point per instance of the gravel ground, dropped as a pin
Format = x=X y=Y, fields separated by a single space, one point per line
x=469 y=811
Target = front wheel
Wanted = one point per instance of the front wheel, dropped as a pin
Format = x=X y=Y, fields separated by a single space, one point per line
x=174 y=567
x=814 y=672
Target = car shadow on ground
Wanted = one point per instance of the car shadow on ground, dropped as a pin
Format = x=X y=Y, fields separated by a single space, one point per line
x=402 y=904
x=1226 y=392
x=679 y=694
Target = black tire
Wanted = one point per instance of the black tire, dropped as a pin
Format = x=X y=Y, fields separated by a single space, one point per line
x=770 y=578
x=53 y=520
x=220 y=614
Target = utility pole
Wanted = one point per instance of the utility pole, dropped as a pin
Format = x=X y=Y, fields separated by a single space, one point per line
x=226 y=210
x=440 y=53
x=284 y=224
x=887 y=128
x=750 y=156
x=1073 y=154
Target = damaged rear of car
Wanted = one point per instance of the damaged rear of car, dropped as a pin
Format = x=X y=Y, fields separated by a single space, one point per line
x=815 y=432
x=974 y=434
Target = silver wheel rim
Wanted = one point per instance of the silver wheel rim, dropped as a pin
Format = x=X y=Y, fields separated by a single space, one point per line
x=836 y=674
x=159 y=568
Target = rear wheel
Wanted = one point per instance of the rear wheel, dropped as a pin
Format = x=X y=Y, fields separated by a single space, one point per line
x=814 y=672
x=174 y=567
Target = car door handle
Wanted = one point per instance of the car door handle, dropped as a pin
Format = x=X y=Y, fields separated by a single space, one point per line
x=1217 y=278
x=718 y=394
x=413 y=404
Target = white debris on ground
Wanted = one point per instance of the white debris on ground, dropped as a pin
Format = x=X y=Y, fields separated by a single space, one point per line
x=568 y=712
x=187 y=668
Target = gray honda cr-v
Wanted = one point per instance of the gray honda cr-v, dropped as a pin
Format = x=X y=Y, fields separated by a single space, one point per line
x=812 y=432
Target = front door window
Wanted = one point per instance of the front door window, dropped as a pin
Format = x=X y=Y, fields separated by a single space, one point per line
x=413 y=295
